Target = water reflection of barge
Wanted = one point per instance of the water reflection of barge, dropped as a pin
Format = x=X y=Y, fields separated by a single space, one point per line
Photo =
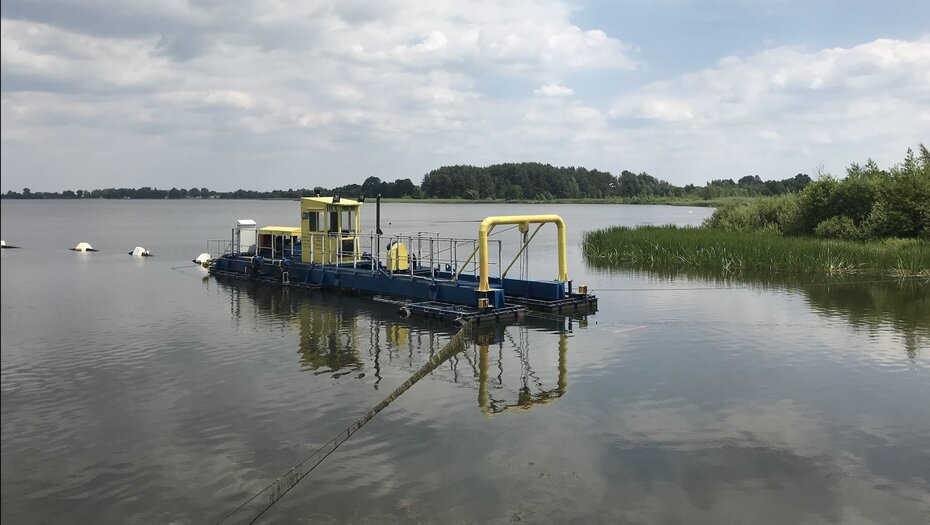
x=343 y=336
x=331 y=341
x=421 y=273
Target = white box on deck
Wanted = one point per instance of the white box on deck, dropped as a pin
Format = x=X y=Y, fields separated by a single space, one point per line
x=246 y=236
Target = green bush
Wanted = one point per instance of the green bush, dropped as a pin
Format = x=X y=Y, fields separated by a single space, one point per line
x=838 y=227
x=816 y=203
x=868 y=203
x=771 y=214
x=854 y=197
x=903 y=205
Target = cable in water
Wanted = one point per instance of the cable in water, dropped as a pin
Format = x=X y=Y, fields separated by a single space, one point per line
x=254 y=507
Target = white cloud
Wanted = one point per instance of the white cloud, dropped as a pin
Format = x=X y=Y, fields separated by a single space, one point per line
x=769 y=134
x=280 y=81
x=525 y=37
x=553 y=90
x=651 y=107
x=230 y=97
x=781 y=78
x=786 y=109
x=413 y=85
x=45 y=53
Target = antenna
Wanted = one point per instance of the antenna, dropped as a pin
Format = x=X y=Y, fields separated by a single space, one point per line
x=378 y=215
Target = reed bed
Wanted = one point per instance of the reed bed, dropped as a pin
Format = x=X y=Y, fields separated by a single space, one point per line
x=670 y=249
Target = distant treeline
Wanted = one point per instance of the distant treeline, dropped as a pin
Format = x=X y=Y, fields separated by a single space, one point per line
x=372 y=186
x=528 y=180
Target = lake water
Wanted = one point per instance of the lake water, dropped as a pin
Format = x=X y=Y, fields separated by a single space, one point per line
x=142 y=391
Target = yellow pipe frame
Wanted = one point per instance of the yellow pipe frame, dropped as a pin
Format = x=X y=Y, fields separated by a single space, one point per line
x=489 y=223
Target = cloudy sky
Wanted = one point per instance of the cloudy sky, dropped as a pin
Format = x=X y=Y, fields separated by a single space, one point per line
x=272 y=94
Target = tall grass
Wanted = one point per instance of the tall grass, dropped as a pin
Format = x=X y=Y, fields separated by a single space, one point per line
x=709 y=251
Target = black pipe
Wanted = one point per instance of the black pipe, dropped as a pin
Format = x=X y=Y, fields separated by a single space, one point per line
x=378 y=215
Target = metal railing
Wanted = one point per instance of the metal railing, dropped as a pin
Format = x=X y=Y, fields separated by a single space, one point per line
x=428 y=255
x=220 y=247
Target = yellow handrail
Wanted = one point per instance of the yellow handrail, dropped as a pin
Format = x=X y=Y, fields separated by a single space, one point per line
x=489 y=223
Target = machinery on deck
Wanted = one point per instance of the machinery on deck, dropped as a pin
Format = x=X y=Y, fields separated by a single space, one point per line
x=422 y=273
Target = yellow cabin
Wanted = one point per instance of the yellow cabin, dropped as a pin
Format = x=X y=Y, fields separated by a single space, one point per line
x=329 y=230
x=279 y=242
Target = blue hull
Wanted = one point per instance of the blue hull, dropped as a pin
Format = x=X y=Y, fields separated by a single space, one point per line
x=363 y=279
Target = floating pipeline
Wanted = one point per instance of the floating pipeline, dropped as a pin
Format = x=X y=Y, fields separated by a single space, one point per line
x=250 y=510
x=83 y=247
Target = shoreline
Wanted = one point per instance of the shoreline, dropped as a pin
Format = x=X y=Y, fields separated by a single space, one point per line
x=699 y=203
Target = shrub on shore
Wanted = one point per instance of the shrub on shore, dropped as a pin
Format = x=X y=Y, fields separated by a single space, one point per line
x=772 y=214
x=873 y=221
x=869 y=203
x=838 y=227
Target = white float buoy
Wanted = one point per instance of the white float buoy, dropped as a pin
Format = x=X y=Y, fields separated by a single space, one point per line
x=139 y=251
x=83 y=247
x=203 y=259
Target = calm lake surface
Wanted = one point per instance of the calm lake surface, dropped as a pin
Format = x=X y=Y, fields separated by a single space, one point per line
x=141 y=391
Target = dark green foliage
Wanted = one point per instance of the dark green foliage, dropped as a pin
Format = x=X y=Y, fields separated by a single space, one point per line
x=643 y=184
x=528 y=180
x=868 y=203
x=903 y=204
x=372 y=186
x=516 y=181
x=753 y=186
x=838 y=227
x=815 y=204
x=532 y=180
x=772 y=214
x=852 y=197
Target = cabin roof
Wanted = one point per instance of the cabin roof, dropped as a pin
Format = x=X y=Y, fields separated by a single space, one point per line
x=288 y=230
x=329 y=200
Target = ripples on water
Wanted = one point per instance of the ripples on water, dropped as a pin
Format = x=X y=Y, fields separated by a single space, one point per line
x=135 y=391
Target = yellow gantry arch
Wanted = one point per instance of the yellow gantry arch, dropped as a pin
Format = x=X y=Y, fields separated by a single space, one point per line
x=489 y=223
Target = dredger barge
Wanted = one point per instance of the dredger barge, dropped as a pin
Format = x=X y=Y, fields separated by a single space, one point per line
x=423 y=273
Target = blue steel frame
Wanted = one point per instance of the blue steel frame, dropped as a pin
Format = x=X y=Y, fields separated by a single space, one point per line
x=362 y=278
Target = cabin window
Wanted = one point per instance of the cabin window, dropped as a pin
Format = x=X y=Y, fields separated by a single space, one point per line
x=334 y=221
x=348 y=220
x=313 y=218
